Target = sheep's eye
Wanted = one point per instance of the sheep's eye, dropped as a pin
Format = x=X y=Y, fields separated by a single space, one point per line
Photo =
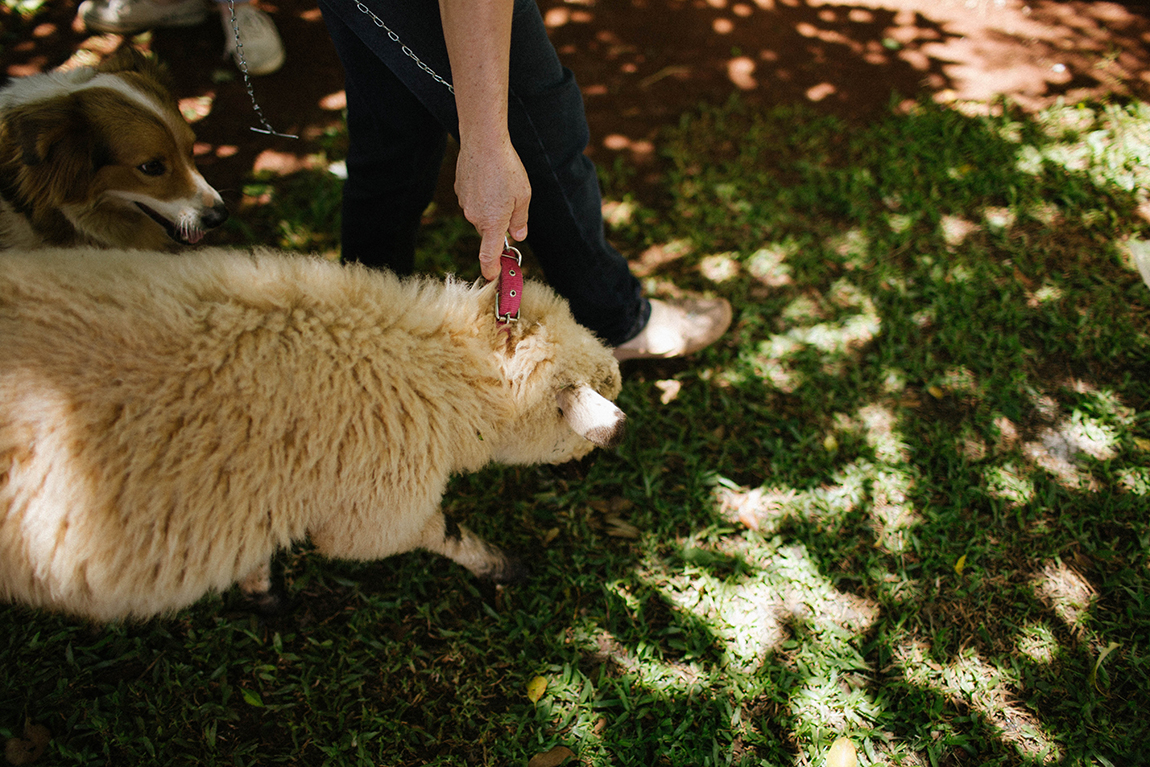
x=153 y=168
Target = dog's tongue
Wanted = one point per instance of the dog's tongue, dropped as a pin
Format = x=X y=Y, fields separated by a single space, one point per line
x=194 y=236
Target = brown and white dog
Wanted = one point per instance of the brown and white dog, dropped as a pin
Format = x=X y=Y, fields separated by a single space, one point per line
x=100 y=156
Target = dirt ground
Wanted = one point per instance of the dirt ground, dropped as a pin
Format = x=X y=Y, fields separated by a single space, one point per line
x=641 y=63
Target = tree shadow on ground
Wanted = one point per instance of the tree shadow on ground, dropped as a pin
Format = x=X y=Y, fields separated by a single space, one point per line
x=903 y=501
x=643 y=63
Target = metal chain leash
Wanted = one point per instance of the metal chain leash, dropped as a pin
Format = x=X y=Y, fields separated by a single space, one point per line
x=243 y=65
x=406 y=51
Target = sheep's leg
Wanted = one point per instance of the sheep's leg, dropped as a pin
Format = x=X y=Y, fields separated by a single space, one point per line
x=257 y=587
x=443 y=535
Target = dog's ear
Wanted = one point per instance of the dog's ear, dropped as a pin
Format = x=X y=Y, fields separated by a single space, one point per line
x=591 y=415
x=128 y=59
x=56 y=146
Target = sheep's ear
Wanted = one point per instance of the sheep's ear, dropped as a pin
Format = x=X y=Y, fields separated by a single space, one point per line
x=591 y=415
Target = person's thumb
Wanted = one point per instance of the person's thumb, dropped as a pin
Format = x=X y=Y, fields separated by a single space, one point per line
x=518 y=225
x=489 y=250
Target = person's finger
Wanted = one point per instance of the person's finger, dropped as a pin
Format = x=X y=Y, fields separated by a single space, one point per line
x=489 y=250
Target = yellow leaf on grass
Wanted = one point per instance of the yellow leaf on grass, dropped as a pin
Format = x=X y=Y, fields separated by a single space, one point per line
x=1098 y=664
x=552 y=758
x=1142 y=444
x=936 y=392
x=535 y=688
x=960 y=565
x=842 y=754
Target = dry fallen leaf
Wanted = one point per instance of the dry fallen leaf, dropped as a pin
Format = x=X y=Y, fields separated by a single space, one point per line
x=611 y=505
x=535 y=688
x=910 y=400
x=670 y=390
x=552 y=758
x=620 y=528
x=842 y=754
x=1140 y=253
x=31 y=747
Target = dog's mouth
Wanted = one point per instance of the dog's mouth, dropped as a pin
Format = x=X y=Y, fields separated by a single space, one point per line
x=183 y=232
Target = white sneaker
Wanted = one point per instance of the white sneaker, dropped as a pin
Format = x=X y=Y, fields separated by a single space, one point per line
x=260 y=47
x=125 y=17
x=678 y=327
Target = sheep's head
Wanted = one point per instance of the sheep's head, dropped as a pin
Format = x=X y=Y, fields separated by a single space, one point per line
x=562 y=380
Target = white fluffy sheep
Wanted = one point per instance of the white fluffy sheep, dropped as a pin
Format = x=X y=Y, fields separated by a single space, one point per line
x=168 y=422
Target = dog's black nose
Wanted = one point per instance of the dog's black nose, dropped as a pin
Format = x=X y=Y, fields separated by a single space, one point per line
x=215 y=216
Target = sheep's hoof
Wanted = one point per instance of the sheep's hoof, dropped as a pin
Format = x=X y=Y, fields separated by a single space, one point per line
x=511 y=570
x=270 y=603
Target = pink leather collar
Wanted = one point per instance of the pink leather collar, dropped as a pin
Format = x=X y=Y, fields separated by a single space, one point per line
x=510 y=286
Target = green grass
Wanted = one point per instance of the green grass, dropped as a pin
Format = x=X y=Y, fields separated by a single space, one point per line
x=904 y=501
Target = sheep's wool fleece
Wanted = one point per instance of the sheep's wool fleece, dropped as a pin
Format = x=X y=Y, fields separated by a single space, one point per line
x=168 y=422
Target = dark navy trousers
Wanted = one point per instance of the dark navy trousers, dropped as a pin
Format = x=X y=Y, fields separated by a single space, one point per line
x=399 y=118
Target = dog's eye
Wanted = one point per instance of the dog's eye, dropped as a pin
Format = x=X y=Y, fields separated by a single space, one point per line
x=153 y=168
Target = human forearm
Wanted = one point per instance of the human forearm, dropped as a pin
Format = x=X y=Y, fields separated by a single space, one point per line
x=490 y=181
x=478 y=35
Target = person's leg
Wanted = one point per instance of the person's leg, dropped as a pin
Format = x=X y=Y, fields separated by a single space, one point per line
x=415 y=58
x=547 y=128
x=395 y=149
x=549 y=131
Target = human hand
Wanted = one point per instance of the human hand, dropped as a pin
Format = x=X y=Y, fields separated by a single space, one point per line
x=494 y=192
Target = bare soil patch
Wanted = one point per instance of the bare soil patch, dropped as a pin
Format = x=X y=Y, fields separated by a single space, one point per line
x=642 y=63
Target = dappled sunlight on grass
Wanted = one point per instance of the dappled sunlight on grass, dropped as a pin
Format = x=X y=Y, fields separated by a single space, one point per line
x=1135 y=480
x=1109 y=142
x=903 y=501
x=780 y=610
x=969 y=682
x=1038 y=643
x=766 y=509
x=1008 y=483
x=902 y=338
x=750 y=615
x=1067 y=593
x=855 y=322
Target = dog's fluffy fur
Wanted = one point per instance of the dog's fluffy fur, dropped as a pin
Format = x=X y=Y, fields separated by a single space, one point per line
x=100 y=157
x=167 y=422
